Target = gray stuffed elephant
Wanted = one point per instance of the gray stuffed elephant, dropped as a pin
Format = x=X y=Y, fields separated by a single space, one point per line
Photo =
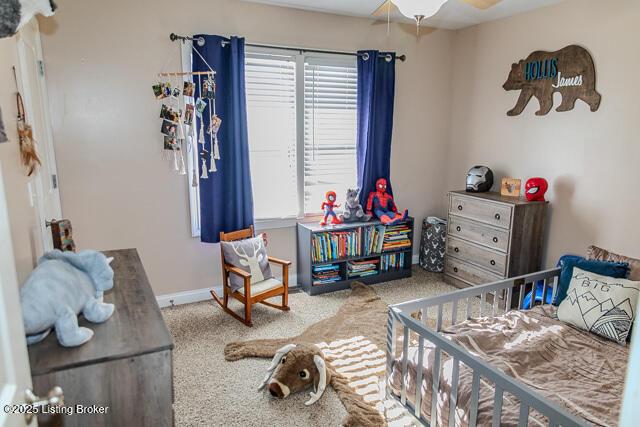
x=63 y=285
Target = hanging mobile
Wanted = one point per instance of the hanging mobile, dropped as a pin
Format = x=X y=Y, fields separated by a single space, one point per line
x=194 y=156
x=175 y=106
x=203 y=156
x=201 y=109
x=212 y=161
x=183 y=169
x=214 y=127
x=181 y=136
x=216 y=122
x=175 y=161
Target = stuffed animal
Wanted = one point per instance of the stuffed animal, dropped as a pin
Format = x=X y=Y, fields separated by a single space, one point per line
x=353 y=211
x=15 y=13
x=296 y=368
x=382 y=205
x=63 y=285
x=328 y=206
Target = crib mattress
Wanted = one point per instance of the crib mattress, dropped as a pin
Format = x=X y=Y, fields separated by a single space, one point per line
x=576 y=369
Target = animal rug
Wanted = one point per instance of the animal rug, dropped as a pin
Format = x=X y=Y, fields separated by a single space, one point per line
x=353 y=343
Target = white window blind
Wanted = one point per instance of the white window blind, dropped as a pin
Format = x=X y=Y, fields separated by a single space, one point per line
x=271 y=116
x=330 y=97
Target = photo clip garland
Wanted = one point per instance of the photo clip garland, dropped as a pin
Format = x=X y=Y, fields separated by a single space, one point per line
x=208 y=92
x=179 y=113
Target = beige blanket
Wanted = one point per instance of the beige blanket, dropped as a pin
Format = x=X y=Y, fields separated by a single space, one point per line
x=575 y=369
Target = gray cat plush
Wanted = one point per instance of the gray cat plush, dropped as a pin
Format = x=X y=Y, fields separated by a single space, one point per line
x=63 y=285
x=353 y=211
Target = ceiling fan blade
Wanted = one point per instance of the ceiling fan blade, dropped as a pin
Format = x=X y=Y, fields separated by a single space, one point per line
x=411 y=29
x=385 y=8
x=482 y=4
x=406 y=27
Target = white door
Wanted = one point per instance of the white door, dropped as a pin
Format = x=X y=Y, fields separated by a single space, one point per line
x=46 y=194
x=15 y=376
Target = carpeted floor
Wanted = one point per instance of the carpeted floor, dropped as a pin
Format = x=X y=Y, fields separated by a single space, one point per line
x=212 y=392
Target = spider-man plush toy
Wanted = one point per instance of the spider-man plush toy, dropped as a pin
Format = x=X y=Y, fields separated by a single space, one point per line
x=382 y=205
x=328 y=207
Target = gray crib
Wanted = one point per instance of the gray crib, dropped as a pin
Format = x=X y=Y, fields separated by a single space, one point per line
x=494 y=299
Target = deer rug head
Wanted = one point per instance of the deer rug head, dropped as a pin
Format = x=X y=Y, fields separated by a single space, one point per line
x=344 y=351
x=296 y=368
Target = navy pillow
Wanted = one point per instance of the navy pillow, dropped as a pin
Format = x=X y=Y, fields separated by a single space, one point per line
x=617 y=270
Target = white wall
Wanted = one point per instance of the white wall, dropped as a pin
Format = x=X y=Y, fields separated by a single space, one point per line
x=590 y=159
x=101 y=60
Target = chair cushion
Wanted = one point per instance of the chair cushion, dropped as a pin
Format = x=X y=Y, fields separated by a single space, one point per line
x=600 y=304
x=594 y=252
x=249 y=255
x=261 y=287
x=605 y=268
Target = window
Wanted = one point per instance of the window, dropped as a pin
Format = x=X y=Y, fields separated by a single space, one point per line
x=330 y=93
x=271 y=120
x=301 y=118
x=301 y=114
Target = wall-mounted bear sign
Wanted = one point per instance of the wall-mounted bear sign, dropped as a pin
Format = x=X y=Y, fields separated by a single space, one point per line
x=569 y=71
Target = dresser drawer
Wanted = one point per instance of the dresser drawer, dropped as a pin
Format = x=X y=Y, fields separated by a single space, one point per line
x=493 y=261
x=480 y=210
x=469 y=273
x=477 y=232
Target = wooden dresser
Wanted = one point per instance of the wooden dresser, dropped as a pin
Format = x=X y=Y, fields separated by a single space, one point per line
x=126 y=366
x=492 y=237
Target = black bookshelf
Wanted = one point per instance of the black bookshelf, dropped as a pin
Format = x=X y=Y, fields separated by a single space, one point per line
x=306 y=263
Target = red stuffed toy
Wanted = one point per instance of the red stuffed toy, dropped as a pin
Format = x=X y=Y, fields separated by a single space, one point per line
x=328 y=207
x=382 y=205
x=535 y=189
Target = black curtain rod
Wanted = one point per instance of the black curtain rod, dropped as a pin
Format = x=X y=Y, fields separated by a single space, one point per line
x=200 y=42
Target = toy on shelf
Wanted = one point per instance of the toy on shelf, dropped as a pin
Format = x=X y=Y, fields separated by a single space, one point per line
x=353 y=211
x=328 y=206
x=382 y=205
x=535 y=189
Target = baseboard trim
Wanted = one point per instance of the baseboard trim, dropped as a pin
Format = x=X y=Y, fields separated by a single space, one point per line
x=204 y=294
x=198 y=295
x=185 y=297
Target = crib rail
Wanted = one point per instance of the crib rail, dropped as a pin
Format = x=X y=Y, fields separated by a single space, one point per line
x=492 y=299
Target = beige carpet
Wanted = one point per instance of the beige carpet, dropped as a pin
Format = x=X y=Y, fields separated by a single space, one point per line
x=212 y=392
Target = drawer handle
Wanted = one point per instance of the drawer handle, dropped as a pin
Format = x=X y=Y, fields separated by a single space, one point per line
x=458 y=228
x=495 y=240
x=459 y=207
x=497 y=216
x=492 y=262
x=456 y=249
x=455 y=269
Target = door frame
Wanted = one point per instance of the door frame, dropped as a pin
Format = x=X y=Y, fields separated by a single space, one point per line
x=13 y=345
x=48 y=172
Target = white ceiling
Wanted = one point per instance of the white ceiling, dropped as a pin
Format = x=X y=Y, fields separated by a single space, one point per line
x=453 y=15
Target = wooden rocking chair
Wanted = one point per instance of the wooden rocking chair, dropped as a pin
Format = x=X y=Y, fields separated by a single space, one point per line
x=254 y=293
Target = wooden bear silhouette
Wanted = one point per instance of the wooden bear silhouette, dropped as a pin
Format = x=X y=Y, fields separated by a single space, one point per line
x=569 y=71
